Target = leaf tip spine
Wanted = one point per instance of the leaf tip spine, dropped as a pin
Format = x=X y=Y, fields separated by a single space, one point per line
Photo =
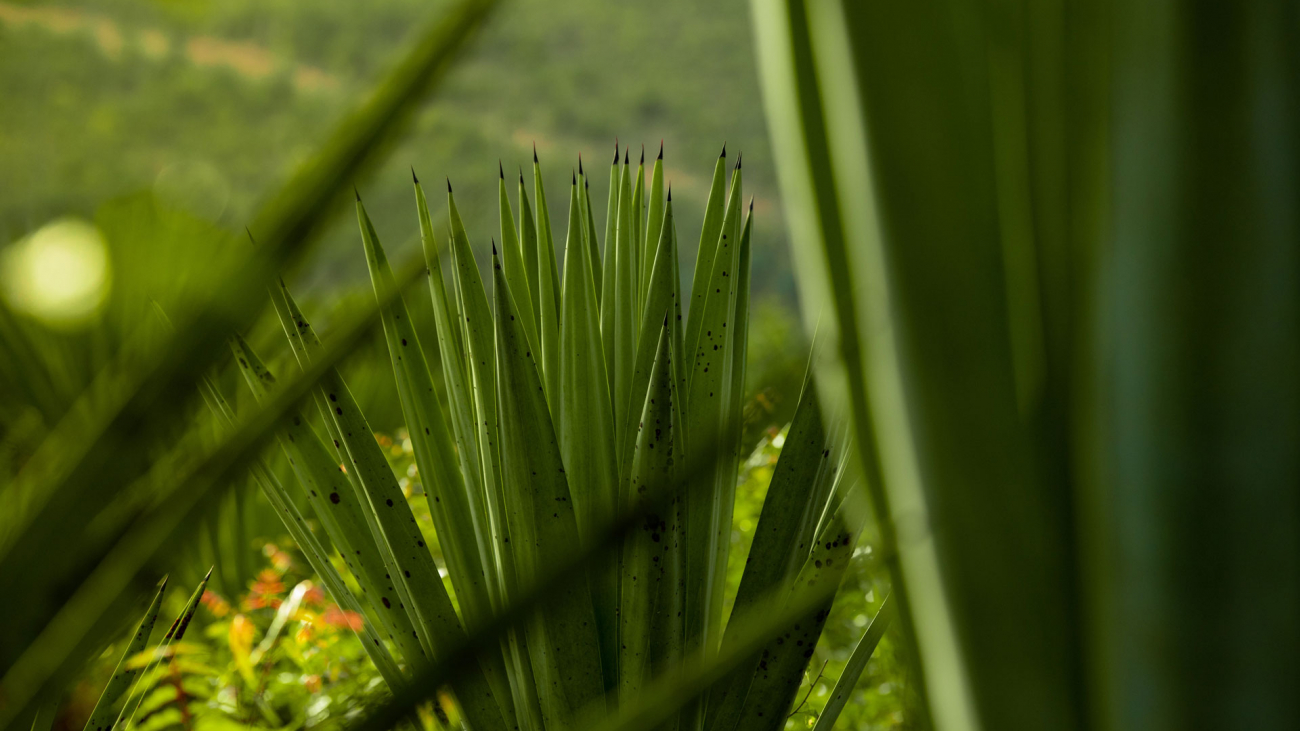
x=413 y=176
x=661 y=149
x=724 y=150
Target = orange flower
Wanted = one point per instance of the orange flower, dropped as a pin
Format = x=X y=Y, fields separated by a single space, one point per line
x=336 y=617
x=215 y=604
x=265 y=591
x=315 y=596
x=268 y=583
x=311 y=683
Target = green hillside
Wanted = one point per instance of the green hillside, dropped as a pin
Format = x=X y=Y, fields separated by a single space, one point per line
x=209 y=103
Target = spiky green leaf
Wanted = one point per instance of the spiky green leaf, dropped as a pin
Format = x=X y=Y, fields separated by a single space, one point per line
x=586 y=426
x=102 y=716
x=782 y=541
x=862 y=652
x=609 y=266
x=341 y=512
x=516 y=271
x=663 y=298
x=625 y=308
x=711 y=411
x=708 y=246
x=648 y=606
x=543 y=278
x=654 y=222
x=563 y=642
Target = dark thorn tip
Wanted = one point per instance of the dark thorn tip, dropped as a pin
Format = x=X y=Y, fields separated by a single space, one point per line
x=580 y=163
x=642 y=154
x=724 y=150
x=448 y=185
x=615 y=150
x=494 y=246
x=575 y=178
x=534 y=152
x=670 y=192
x=417 y=180
x=661 y=149
x=625 y=157
x=356 y=193
x=501 y=169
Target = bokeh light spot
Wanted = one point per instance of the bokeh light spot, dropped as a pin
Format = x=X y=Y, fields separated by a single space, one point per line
x=59 y=274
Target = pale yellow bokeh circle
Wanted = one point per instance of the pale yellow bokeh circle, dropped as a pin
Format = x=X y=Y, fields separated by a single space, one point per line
x=59 y=274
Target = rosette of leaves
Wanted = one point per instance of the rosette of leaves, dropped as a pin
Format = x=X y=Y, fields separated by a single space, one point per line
x=566 y=399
